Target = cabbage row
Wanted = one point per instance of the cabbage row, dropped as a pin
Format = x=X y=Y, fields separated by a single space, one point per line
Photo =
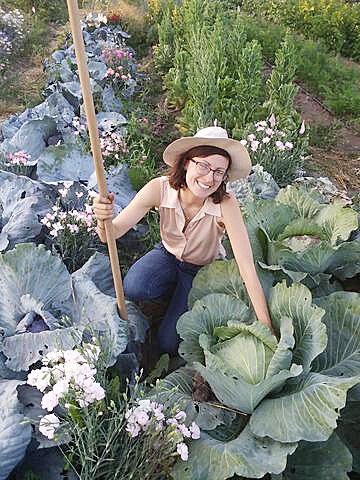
x=45 y=179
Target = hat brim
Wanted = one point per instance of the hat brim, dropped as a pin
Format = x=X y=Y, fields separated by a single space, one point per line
x=240 y=159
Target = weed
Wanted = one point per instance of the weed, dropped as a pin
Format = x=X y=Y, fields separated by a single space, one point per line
x=323 y=136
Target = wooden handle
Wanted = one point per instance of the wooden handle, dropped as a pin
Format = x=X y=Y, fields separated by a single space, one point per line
x=95 y=146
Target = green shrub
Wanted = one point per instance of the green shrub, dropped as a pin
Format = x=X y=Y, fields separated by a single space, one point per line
x=325 y=75
x=334 y=22
x=52 y=10
x=281 y=90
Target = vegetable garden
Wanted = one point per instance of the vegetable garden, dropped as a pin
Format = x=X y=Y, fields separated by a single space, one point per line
x=82 y=392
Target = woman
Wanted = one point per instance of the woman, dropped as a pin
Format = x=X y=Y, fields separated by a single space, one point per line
x=195 y=210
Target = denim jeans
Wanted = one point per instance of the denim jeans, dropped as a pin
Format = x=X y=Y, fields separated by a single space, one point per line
x=158 y=273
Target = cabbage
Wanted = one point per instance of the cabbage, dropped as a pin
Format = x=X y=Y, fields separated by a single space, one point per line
x=285 y=393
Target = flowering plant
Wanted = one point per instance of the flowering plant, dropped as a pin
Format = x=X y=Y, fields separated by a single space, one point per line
x=120 y=65
x=66 y=378
x=18 y=162
x=72 y=232
x=12 y=35
x=112 y=144
x=281 y=153
x=149 y=415
x=113 y=147
x=103 y=422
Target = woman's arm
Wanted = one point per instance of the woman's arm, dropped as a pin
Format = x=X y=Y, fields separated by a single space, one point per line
x=241 y=247
x=147 y=198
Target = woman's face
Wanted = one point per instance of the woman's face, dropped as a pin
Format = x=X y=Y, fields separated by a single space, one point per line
x=200 y=183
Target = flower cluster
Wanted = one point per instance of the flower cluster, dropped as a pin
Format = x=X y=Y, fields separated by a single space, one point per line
x=114 y=18
x=113 y=146
x=95 y=20
x=18 y=158
x=12 y=35
x=120 y=64
x=72 y=221
x=150 y=415
x=280 y=153
x=68 y=377
x=267 y=133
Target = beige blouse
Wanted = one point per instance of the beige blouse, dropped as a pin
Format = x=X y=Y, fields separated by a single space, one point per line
x=200 y=243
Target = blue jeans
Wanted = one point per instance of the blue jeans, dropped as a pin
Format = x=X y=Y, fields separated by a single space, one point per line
x=158 y=273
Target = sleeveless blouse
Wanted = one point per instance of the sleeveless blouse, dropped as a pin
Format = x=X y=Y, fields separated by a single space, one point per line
x=200 y=243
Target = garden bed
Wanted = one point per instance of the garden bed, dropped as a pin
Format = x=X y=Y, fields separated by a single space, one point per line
x=237 y=402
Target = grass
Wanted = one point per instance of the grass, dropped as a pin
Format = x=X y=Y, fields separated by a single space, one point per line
x=323 y=136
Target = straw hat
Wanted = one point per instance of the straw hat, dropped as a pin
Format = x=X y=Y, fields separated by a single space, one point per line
x=215 y=137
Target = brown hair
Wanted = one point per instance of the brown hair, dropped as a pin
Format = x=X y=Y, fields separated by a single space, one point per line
x=177 y=172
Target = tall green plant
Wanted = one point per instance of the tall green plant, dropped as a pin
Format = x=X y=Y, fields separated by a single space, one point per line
x=248 y=89
x=281 y=90
x=202 y=84
x=164 y=51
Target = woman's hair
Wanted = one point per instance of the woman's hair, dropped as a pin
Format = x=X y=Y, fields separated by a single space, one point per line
x=177 y=172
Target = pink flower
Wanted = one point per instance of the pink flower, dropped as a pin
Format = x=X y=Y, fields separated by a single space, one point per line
x=254 y=145
x=266 y=140
x=302 y=128
x=289 y=145
x=272 y=121
x=280 y=145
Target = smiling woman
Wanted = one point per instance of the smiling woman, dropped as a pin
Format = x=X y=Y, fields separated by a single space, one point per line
x=195 y=211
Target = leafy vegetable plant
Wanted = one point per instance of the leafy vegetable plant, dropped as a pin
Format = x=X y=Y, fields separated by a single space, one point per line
x=280 y=392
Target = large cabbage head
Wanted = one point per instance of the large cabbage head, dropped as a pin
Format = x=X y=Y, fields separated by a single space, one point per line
x=281 y=390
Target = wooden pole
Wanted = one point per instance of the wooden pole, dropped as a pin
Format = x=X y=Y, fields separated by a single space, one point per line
x=95 y=146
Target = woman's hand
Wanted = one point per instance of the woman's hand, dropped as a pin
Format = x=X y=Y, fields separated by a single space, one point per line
x=104 y=210
x=103 y=207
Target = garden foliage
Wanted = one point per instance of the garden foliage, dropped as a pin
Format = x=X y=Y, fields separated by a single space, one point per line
x=266 y=384
x=334 y=22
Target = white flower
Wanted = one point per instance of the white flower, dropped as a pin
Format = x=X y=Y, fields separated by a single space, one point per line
x=141 y=417
x=269 y=131
x=79 y=194
x=266 y=140
x=73 y=356
x=243 y=142
x=251 y=137
x=183 y=451
x=61 y=387
x=185 y=432
x=180 y=416
x=133 y=429
x=53 y=357
x=48 y=425
x=260 y=128
x=261 y=124
x=145 y=405
x=302 y=128
x=195 y=431
x=289 y=145
x=272 y=121
x=49 y=401
x=40 y=378
x=280 y=145
x=254 y=145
